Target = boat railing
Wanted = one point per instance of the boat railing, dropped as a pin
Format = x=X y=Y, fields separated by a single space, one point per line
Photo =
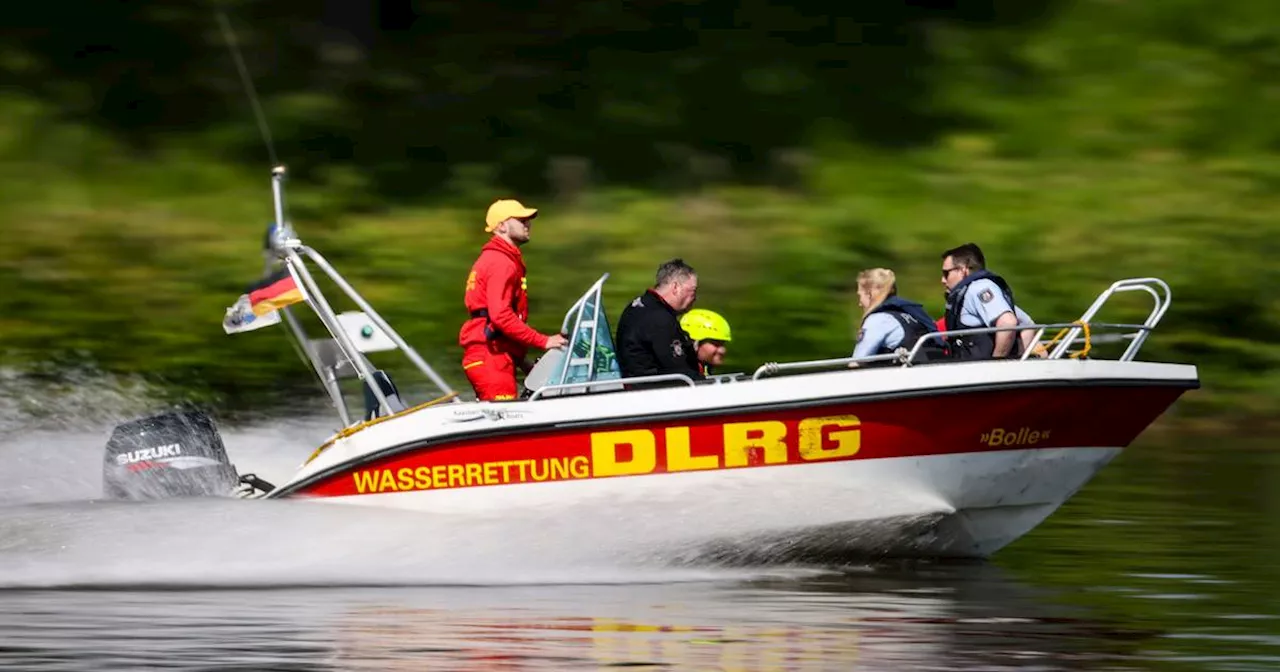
x=1069 y=334
x=912 y=355
x=1161 y=300
x=770 y=368
x=726 y=378
x=618 y=383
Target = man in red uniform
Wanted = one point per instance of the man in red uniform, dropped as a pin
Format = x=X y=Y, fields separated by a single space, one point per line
x=496 y=337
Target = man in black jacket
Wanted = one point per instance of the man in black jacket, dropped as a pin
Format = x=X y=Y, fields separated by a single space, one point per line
x=650 y=341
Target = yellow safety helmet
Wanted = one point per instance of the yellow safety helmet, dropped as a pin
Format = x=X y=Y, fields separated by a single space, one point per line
x=704 y=324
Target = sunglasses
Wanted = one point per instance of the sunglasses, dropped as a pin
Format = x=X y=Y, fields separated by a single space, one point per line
x=947 y=271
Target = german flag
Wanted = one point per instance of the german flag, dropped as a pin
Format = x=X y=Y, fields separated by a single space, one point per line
x=274 y=292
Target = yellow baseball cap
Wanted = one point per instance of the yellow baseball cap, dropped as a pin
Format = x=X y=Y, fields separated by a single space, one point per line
x=505 y=209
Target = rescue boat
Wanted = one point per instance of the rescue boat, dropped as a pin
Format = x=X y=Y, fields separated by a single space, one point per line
x=794 y=460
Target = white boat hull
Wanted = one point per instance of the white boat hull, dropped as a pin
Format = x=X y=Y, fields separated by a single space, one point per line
x=964 y=505
x=953 y=460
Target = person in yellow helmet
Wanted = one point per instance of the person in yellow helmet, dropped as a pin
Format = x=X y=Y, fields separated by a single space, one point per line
x=709 y=332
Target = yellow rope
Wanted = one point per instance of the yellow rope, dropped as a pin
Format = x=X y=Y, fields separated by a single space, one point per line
x=348 y=431
x=1087 y=345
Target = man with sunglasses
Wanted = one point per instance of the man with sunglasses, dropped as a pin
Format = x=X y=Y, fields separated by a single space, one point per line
x=978 y=298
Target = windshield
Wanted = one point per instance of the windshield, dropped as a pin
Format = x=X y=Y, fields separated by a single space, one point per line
x=592 y=355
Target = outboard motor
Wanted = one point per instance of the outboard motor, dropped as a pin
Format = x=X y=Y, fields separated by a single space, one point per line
x=174 y=454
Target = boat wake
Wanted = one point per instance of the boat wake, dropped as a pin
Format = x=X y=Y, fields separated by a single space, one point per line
x=224 y=543
x=57 y=532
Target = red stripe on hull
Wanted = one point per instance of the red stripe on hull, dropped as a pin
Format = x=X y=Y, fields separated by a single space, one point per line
x=912 y=427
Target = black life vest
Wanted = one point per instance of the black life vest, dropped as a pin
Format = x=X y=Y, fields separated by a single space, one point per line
x=976 y=346
x=915 y=323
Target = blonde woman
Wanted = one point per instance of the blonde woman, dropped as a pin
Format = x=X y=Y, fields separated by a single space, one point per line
x=888 y=322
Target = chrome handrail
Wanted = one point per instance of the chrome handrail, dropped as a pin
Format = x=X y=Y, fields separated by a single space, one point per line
x=1127 y=285
x=908 y=357
x=769 y=368
x=614 y=381
x=982 y=330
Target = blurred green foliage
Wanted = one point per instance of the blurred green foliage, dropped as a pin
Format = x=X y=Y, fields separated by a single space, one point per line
x=778 y=150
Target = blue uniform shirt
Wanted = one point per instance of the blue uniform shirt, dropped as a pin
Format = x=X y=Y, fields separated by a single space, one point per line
x=1023 y=317
x=878 y=329
x=983 y=303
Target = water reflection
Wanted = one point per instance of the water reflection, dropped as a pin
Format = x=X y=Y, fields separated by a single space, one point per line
x=907 y=617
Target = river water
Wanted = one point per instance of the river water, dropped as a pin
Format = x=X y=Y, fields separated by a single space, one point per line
x=1166 y=561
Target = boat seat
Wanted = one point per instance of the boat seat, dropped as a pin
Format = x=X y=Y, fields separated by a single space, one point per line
x=388 y=389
